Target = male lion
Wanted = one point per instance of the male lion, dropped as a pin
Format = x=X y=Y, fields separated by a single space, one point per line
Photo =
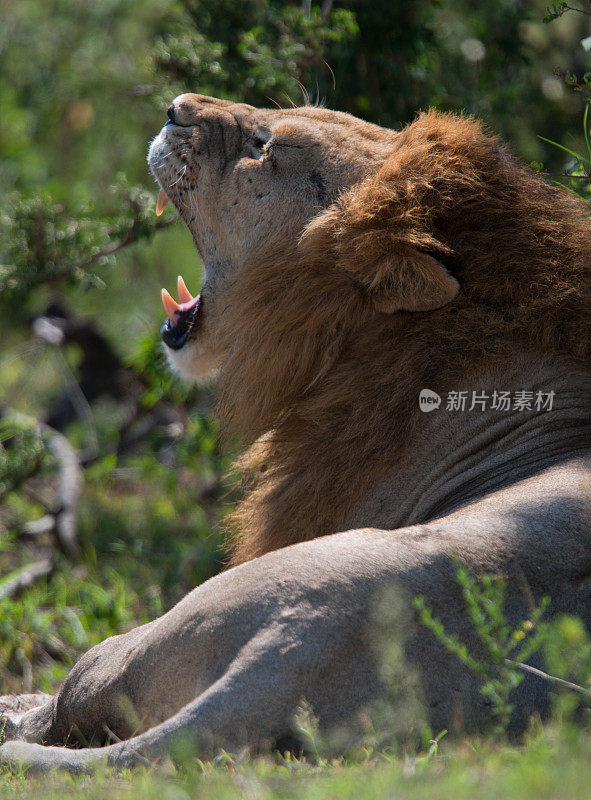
x=347 y=269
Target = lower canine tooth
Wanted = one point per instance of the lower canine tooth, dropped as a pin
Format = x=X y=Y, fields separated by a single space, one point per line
x=161 y=202
x=184 y=294
x=171 y=306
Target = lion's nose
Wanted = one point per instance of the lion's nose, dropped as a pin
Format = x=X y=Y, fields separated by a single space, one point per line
x=185 y=110
x=190 y=109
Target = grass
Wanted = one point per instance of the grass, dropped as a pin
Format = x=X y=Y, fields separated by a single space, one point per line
x=555 y=762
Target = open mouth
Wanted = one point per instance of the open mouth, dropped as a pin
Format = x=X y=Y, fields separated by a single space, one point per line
x=181 y=317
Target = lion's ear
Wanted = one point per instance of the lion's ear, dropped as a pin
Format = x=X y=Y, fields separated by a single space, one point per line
x=395 y=275
x=409 y=280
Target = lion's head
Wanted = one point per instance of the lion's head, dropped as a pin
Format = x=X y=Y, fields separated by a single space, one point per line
x=348 y=266
x=247 y=181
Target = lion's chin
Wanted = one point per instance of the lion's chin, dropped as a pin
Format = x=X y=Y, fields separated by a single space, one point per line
x=193 y=363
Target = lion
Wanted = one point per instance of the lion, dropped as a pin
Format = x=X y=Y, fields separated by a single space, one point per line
x=398 y=323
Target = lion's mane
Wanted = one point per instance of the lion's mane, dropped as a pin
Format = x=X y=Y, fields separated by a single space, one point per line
x=321 y=378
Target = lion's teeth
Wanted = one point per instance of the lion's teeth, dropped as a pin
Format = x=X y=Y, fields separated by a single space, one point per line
x=161 y=202
x=170 y=305
x=183 y=293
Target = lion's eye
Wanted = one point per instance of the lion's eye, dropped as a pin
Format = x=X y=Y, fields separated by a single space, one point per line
x=257 y=145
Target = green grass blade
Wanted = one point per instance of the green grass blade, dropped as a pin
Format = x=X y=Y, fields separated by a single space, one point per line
x=566 y=150
x=586 y=128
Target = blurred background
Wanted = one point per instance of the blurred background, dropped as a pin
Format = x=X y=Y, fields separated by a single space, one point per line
x=112 y=484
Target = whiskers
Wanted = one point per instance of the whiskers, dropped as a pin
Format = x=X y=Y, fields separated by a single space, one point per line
x=175 y=152
x=176 y=182
x=191 y=199
x=160 y=161
x=180 y=175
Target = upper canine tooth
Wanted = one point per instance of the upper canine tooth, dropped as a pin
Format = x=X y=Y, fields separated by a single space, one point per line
x=170 y=305
x=161 y=202
x=183 y=293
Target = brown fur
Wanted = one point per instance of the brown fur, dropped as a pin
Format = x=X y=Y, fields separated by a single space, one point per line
x=317 y=363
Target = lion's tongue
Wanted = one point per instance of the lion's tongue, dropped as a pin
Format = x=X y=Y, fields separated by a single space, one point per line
x=161 y=202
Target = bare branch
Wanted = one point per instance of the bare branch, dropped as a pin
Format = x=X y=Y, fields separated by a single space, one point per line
x=544 y=675
x=22 y=578
x=579 y=10
x=326 y=8
x=70 y=482
x=69 y=490
x=37 y=527
x=107 y=251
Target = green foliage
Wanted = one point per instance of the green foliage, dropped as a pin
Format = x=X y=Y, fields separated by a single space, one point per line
x=152 y=523
x=22 y=454
x=149 y=361
x=52 y=624
x=567 y=652
x=554 y=11
x=579 y=84
x=577 y=174
x=256 y=50
x=42 y=244
x=72 y=91
x=504 y=648
x=46 y=246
